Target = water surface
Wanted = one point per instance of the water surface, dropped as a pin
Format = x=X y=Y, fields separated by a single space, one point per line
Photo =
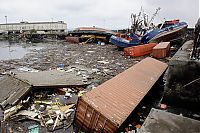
x=16 y=50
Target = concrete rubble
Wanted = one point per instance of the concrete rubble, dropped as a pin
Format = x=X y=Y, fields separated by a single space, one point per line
x=159 y=120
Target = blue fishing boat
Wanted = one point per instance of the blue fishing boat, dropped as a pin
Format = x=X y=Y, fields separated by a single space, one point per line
x=125 y=40
x=170 y=30
x=167 y=31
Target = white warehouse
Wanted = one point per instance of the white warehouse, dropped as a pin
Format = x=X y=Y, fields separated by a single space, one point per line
x=59 y=26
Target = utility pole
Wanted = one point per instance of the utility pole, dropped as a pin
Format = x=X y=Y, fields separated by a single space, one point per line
x=6 y=19
x=51 y=25
x=6 y=23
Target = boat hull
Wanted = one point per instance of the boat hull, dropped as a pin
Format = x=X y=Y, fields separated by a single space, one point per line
x=166 y=34
x=123 y=43
x=169 y=33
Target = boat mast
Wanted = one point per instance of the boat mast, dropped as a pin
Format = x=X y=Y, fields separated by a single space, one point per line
x=136 y=21
x=152 y=18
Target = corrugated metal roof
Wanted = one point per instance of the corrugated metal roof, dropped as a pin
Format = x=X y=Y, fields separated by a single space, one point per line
x=11 y=90
x=117 y=98
x=51 y=78
x=94 y=29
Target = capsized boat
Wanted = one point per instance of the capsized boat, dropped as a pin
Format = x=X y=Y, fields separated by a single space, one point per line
x=167 y=31
x=124 y=41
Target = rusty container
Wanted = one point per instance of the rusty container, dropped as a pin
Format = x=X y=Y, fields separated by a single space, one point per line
x=106 y=107
x=139 y=50
x=72 y=39
x=161 y=50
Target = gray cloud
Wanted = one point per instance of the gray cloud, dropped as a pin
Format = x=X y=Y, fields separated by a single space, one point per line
x=102 y=13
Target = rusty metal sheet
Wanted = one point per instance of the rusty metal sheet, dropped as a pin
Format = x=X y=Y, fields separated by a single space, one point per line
x=162 y=45
x=139 y=50
x=161 y=50
x=117 y=98
x=92 y=120
x=72 y=39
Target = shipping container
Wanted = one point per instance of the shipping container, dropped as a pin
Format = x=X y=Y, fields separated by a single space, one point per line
x=161 y=50
x=106 y=107
x=72 y=39
x=139 y=50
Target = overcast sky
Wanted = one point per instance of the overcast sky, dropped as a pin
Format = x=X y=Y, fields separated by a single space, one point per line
x=111 y=14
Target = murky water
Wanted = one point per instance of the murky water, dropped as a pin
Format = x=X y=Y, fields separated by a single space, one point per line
x=15 y=50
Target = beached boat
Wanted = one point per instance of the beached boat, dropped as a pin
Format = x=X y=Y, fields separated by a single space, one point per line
x=170 y=30
x=167 y=31
x=124 y=41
